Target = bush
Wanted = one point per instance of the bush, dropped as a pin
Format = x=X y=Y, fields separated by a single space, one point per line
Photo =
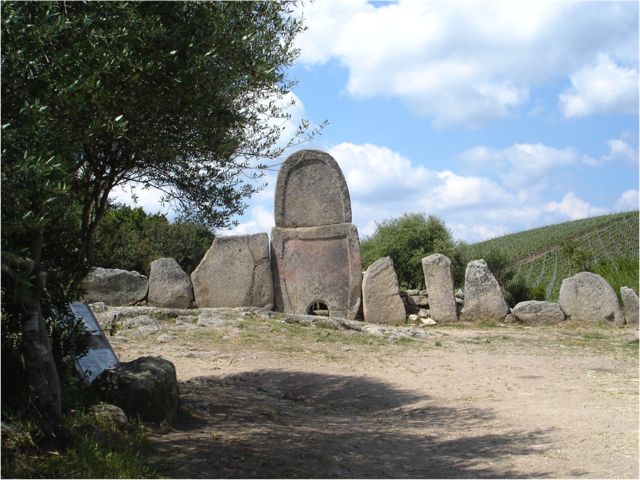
x=619 y=272
x=130 y=239
x=407 y=240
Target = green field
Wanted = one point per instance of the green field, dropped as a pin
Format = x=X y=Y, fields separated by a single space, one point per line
x=607 y=245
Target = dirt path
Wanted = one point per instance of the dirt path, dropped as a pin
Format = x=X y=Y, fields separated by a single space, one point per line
x=262 y=398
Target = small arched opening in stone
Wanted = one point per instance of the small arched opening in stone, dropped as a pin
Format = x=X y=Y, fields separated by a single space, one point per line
x=318 y=308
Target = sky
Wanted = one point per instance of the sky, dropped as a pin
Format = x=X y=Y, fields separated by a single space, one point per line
x=495 y=117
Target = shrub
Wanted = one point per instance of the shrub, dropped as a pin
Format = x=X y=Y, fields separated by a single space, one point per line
x=130 y=239
x=407 y=240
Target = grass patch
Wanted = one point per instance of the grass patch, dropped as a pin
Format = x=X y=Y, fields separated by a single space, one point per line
x=98 y=450
x=632 y=346
x=593 y=335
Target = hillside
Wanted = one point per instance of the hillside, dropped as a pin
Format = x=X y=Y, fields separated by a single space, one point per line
x=607 y=245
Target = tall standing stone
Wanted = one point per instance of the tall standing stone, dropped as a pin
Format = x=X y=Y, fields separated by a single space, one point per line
x=483 y=299
x=315 y=249
x=235 y=272
x=311 y=191
x=169 y=285
x=630 y=302
x=381 y=294
x=439 y=284
x=587 y=297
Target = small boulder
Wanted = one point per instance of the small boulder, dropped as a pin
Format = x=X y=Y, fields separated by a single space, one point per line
x=169 y=285
x=109 y=413
x=535 y=311
x=146 y=387
x=588 y=297
x=483 y=300
x=630 y=302
x=114 y=287
x=381 y=294
x=418 y=300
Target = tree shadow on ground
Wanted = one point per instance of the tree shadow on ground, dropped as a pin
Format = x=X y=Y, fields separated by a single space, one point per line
x=281 y=424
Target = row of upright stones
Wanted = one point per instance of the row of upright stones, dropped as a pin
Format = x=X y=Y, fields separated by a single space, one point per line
x=313 y=265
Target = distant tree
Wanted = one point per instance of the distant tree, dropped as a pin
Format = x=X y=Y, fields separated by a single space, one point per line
x=130 y=239
x=407 y=240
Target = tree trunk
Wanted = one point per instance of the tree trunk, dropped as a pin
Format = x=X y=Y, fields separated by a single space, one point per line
x=42 y=374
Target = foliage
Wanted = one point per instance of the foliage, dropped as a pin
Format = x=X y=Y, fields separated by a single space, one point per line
x=130 y=239
x=521 y=245
x=619 y=272
x=108 y=453
x=407 y=240
x=607 y=245
x=184 y=97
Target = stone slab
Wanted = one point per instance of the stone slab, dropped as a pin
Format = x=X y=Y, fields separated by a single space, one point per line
x=311 y=191
x=630 y=305
x=381 y=294
x=439 y=285
x=483 y=299
x=235 y=272
x=317 y=265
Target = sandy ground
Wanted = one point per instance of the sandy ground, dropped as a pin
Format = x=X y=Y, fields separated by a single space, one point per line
x=263 y=398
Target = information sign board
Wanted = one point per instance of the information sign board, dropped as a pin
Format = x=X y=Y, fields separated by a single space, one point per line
x=100 y=355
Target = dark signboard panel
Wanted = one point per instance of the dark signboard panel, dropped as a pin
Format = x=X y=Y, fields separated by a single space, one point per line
x=100 y=355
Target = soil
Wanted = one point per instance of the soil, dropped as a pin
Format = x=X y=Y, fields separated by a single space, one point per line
x=264 y=398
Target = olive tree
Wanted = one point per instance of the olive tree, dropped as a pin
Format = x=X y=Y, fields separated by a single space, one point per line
x=186 y=97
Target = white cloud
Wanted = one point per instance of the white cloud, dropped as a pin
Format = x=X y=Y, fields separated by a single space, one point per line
x=478 y=232
x=260 y=220
x=520 y=165
x=465 y=63
x=458 y=191
x=150 y=199
x=621 y=150
x=573 y=207
x=601 y=87
x=377 y=172
x=628 y=200
x=384 y=184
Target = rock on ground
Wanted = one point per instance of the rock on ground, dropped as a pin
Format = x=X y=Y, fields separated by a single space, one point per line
x=535 y=311
x=587 y=297
x=114 y=286
x=169 y=285
x=146 y=387
x=381 y=294
x=439 y=282
x=630 y=302
x=483 y=300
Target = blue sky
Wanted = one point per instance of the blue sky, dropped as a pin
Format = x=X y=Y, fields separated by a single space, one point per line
x=496 y=117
